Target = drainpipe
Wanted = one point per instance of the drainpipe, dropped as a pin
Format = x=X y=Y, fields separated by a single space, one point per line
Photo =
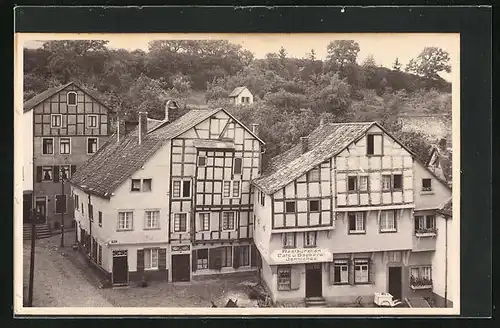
x=90 y=228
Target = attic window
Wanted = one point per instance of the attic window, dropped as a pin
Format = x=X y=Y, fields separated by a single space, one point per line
x=374 y=144
x=71 y=98
x=136 y=185
x=426 y=184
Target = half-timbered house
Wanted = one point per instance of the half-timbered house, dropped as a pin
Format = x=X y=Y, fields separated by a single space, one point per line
x=335 y=217
x=64 y=126
x=174 y=198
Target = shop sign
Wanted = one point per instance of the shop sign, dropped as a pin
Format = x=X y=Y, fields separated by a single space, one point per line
x=301 y=255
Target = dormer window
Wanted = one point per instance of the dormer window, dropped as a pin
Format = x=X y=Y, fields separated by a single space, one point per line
x=71 y=98
x=374 y=144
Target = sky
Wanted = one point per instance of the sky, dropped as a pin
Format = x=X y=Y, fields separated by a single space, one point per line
x=384 y=47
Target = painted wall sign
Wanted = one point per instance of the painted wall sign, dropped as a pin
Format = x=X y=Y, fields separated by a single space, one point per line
x=183 y=248
x=301 y=255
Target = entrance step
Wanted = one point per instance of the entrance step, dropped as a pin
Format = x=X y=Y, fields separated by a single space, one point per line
x=42 y=231
x=315 y=302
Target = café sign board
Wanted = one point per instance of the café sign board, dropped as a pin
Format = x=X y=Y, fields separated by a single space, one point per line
x=301 y=255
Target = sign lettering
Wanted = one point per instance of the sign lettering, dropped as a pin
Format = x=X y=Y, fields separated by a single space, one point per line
x=301 y=255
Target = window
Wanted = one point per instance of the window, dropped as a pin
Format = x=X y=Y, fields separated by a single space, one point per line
x=356 y=222
x=91 y=145
x=204 y=221
x=313 y=175
x=289 y=207
x=202 y=259
x=289 y=240
x=421 y=276
x=136 y=185
x=237 y=165
x=92 y=121
x=83 y=209
x=77 y=202
x=60 y=203
x=425 y=224
x=227 y=256
x=152 y=219
x=180 y=222
x=284 y=278
x=262 y=198
x=125 y=220
x=228 y=220
x=71 y=98
x=47 y=146
x=386 y=182
x=394 y=256
x=100 y=218
x=426 y=184
x=151 y=258
x=388 y=221
x=64 y=171
x=47 y=173
x=360 y=271
x=352 y=183
x=310 y=239
x=99 y=255
x=374 y=144
x=65 y=146
x=244 y=256
x=340 y=272
x=181 y=189
x=202 y=161
x=146 y=185
x=231 y=189
x=363 y=183
x=397 y=181
x=392 y=182
x=55 y=120
x=314 y=206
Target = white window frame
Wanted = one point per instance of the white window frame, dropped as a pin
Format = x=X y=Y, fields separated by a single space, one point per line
x=53 y=146
x=202 y=266
x=367 y=183
x=52 y=116
x=129 y=216
x=356 y=224
x=285 y=240
x=147 y=219
x=174 y=216
x=362 y=265
x=181 y=189
x=60 y=144
x=231 y=189
x=76 y=98
x=89 y=121
x=149 y=252
x=201 y=218
x=390 y=182
x=341 y=264
x=227 y=225
x=314 y=235
x=66 y=168
x=96 y=145
x=384 y=221
x=150 y=186
x=51 y=173
x=356 y=185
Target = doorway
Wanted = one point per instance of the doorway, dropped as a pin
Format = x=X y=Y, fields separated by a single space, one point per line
x=314 y=280
x=181 y=268
x=395 y=282
x=41 y=210
x=27 y=207
x=120 y=267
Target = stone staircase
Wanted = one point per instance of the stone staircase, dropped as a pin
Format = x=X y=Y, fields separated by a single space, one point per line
x=315 y=302
x=42 y=231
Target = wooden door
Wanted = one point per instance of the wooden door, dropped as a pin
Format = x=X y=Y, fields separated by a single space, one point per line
x=314 y=280
x=120 y=268
x=181 y=267
x=395 y=282
x=41 y=210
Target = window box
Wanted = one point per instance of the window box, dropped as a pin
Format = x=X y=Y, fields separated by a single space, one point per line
x=426 y=232
x=420 y=283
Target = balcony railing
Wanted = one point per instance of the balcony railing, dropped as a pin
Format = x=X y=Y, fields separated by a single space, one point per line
x=420 y=283
x=426 y=232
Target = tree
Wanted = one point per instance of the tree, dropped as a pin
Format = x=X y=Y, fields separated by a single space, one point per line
x=342 y=52
x=311 y=55
x=369 y=62
x=181 y=88
x=397 y=65
x=430 y=62
x=282 y=54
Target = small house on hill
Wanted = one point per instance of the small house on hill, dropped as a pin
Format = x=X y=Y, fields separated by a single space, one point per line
x=241 y=96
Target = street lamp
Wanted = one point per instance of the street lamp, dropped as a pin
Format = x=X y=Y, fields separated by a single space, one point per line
x=34 y=215
x=62 y=177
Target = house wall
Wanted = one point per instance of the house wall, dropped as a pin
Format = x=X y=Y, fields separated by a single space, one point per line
x=433 y=199
x=245 y=93
x=27 y=145
x=263 y=225
x=442 y=276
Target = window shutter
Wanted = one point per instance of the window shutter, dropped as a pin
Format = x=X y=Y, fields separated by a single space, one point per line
x=295 y=278
x=351 y=272
x=194 y=260
x=39 y=174
x=162 y=259
x=253 y=255
x=140 y=260
x=331 y=273
x=55 y=176
x=236 y=257
x=73 y=169
x=416 y=226
x=371 y=270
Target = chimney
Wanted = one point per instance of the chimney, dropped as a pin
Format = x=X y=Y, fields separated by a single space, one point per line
x=255 y=129
x=304 y=141
x=171 y=111
x=120 y=128
x=143 y=126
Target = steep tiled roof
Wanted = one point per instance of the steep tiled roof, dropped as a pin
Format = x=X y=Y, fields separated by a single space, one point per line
x=324 y=143
x=32 y=102
x=237 y=91
x=115 y=162
x=444 y=157
x=447 y=208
